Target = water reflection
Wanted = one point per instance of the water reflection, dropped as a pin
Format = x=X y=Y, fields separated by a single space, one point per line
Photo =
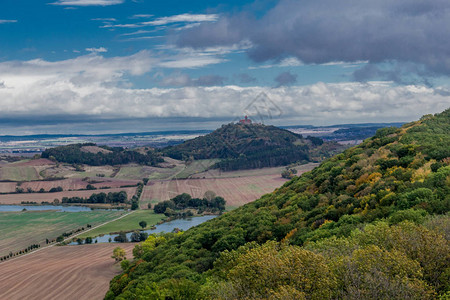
x=183 y=224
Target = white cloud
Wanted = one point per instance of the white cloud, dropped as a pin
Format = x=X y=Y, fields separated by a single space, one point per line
x=295 y=62
x=162 y=21
x=137 y=32
x=188 y=18
x=96 y=86
x=141 y=16
x=104 y=19
x=87 y=2
x=97 y=50
x=7 y=21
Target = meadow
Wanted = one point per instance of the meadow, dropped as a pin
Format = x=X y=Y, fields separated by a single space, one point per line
x=18 y=230
x=127 y=223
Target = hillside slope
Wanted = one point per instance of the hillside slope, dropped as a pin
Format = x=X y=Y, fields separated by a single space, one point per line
x=400 y=174
x=242 y=146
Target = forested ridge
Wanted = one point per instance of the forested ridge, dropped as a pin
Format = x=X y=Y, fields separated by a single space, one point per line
x=251 y=146
x=74 y=154
x=369 y=223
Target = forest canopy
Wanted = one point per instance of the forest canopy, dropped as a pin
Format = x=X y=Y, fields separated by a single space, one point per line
x=369 y=223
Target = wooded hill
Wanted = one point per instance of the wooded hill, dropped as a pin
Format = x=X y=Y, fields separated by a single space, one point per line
x=369 y=223
x=91 y=154
x=251 y=146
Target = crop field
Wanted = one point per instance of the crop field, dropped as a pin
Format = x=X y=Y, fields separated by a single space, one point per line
x=7 y=187
x=24 y=170
x=18 y=230
x=65 y=184
x=236 y=191
x=127 y=223
x=216 y=173
x=19 y=173
x=237 y=187
x=139 y=172
x=196 y=167
x=40 y=197
x=69 y=272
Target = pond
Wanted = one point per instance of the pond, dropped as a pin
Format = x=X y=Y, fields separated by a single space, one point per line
x=59 y=208
x=183 y=224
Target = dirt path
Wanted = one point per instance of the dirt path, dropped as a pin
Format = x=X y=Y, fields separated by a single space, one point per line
x=69 y=272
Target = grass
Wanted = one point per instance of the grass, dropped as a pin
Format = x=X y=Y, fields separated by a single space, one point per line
x=197 y=166
x=19 y=173
x=165 y=173
x=130 y=172
x=128 y=223
x=18 y=230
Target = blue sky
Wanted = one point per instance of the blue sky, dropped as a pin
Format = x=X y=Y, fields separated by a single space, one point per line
x=89 y=65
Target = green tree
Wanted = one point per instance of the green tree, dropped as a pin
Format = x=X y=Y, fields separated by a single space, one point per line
x=143 y=224
x=119 y=254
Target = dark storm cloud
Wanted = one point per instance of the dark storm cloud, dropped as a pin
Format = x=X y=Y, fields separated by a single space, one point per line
x=286 y=78
x=399 y=72
x=324 y=31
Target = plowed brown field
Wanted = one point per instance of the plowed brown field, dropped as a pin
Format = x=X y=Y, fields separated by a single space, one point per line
x=69 y=272
x=40 y=197
x=238 y=187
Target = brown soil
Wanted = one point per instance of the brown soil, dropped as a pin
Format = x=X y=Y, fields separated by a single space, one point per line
x=69 y=272
x=49 y=197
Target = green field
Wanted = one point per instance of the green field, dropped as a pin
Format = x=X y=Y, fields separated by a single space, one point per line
x=23 y=173
x=197 y=166
x=128 y=223
x=18 y=230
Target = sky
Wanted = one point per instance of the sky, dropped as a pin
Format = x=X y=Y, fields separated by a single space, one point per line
x=109 y=66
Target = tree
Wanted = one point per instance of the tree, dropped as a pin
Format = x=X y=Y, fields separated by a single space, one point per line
x=209 y=195
x=134 y=205
x=143 y=224
x=88 y=240
x=135 y=237
x=125 y=264
x=118 y=254
x=121 y=238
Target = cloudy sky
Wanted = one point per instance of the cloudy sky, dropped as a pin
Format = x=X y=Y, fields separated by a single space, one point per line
x=96 y=66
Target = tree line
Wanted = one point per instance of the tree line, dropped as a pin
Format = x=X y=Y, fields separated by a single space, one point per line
x=73 y=154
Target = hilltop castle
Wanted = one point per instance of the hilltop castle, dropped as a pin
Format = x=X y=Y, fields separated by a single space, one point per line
x=246 y=120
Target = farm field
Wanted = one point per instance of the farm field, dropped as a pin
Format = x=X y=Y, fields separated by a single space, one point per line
x=196 y=167
x=236 y=191
x=40 y=197
x=237 y=187
x=69 y=272
x=24 y=170
x=216 y=173
x=20 y=229
x=138 y=172
x=128 y=223
x=65 y=184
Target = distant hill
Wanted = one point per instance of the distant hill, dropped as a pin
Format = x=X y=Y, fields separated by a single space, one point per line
x=369 y=223
x=91 y=154
x=249 y=146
